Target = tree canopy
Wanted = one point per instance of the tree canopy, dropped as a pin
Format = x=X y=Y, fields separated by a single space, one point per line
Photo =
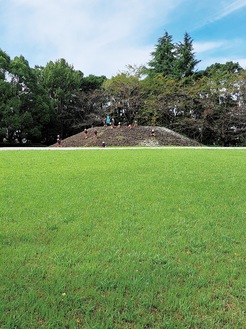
x=175 y=60
x=37 y=104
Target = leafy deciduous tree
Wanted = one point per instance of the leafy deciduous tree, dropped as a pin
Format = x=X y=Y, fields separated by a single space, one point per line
x=123 y=97
x=62 y=83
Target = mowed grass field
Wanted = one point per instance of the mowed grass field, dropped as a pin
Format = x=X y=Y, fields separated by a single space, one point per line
x=143 y=238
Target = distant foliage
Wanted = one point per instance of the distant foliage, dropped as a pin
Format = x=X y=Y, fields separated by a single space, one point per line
x=37 y=104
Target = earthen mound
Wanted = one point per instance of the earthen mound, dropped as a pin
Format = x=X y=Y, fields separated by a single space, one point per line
x=125 y=136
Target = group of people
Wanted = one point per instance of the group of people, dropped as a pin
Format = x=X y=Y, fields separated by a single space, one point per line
x=134 y=125
x=111 y=123
x=94 y=135
x=85 y=133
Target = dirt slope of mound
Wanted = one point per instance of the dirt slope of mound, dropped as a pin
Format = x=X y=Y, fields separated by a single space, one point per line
x=124 y=136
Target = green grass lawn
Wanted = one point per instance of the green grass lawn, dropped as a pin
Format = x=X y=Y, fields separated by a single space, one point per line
x=123 y=238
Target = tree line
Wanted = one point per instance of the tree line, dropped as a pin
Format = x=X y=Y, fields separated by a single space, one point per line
x=37 y=104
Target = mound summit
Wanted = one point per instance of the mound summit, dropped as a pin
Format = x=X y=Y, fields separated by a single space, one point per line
x=125 y=136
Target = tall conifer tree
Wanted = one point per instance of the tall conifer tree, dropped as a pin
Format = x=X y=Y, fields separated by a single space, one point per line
x=173 y=60
x=185 y=57
x=163 y=57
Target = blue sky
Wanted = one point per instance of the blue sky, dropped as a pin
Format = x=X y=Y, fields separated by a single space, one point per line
x=101 y=37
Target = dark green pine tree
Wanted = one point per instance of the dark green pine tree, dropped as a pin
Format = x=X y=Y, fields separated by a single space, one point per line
x=185 y=61
x=163 y=58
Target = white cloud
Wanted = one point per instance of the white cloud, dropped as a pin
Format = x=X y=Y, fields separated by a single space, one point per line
x=220 y=51
x=235 y=5
x=201 y=47
x=208 y=61
x=241 y=61
x=218 y=10
x=96 y=36
x=101 y=37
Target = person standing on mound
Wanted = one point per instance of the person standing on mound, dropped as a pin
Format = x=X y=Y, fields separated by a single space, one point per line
x=58 y=141
x=112 y=123
x=85 y=133
x=152 y=134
